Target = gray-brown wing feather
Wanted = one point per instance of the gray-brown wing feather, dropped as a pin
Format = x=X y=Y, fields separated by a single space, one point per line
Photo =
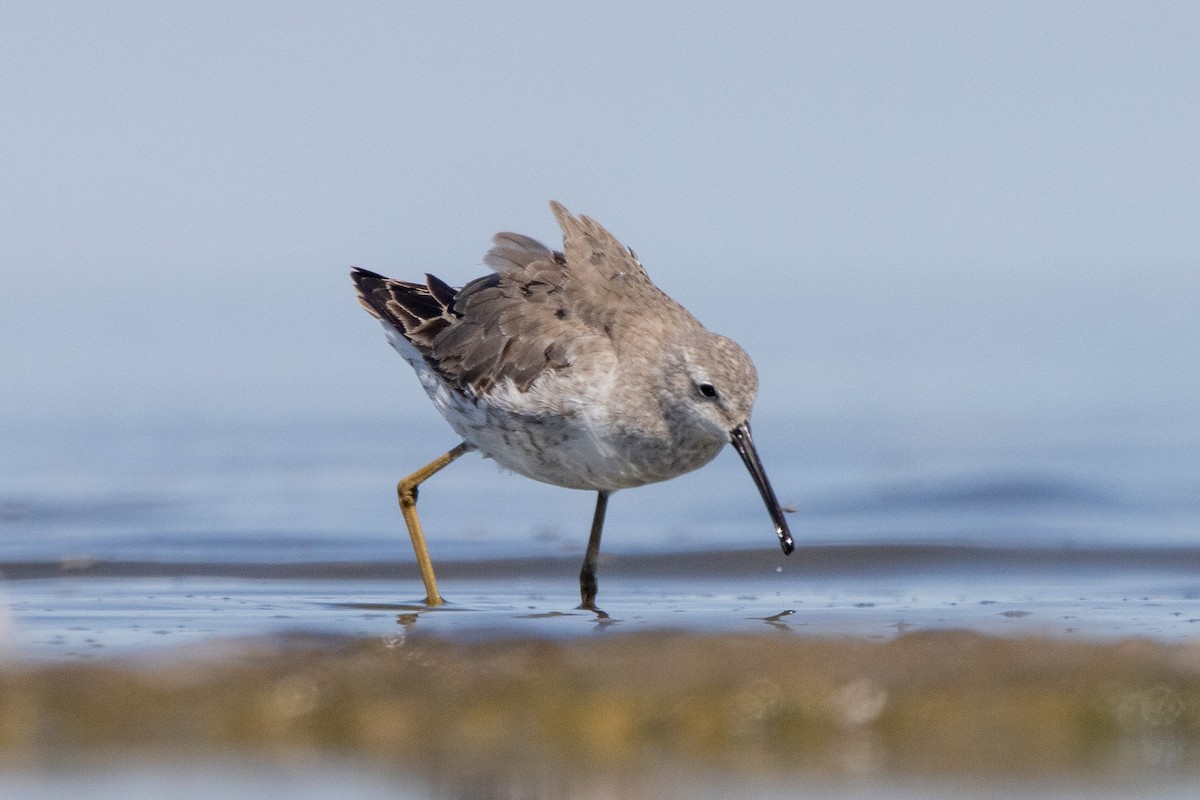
x=537 y=309
x=594 y=252
x=508 y=329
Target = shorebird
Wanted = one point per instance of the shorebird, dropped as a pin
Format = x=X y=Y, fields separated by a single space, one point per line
x=569 y=367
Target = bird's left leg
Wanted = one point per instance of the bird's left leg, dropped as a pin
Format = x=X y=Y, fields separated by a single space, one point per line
x=407 y=493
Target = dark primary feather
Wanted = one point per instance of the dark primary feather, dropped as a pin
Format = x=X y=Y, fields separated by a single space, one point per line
x=419 y=312
x=441 y=291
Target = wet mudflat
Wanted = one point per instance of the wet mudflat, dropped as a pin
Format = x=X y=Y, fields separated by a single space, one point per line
x=865 y=672
x=98 y=609
x=1005 y=616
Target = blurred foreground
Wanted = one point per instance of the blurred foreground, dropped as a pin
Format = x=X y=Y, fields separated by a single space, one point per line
x=500 y=718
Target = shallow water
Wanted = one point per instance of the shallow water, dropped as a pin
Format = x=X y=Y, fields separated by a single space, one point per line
x=172 y=543
x=356 y=782
x=310 y=490
x=104 y=608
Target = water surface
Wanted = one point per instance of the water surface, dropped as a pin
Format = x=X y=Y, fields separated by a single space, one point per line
x=127 y=534
x=156 y=554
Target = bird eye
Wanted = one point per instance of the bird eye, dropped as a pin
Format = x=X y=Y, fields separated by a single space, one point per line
x=706 y=390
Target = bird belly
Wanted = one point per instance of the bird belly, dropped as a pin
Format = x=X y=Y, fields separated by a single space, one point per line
x=578 y=447
x=578 y=452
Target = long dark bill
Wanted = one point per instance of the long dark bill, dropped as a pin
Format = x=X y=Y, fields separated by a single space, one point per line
x=740 y=437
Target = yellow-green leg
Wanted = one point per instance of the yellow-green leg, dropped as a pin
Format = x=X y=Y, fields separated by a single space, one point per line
x=407 y=491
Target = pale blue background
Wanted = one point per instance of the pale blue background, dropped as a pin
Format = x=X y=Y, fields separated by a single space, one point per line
x=977 y=209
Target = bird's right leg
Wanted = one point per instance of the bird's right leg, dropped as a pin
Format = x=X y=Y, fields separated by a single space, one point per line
x=587 y=576
x=407 y=492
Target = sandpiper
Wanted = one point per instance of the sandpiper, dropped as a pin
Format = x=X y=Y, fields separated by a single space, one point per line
x=570 y=368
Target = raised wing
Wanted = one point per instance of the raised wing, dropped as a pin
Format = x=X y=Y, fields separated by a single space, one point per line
x=536 y=313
